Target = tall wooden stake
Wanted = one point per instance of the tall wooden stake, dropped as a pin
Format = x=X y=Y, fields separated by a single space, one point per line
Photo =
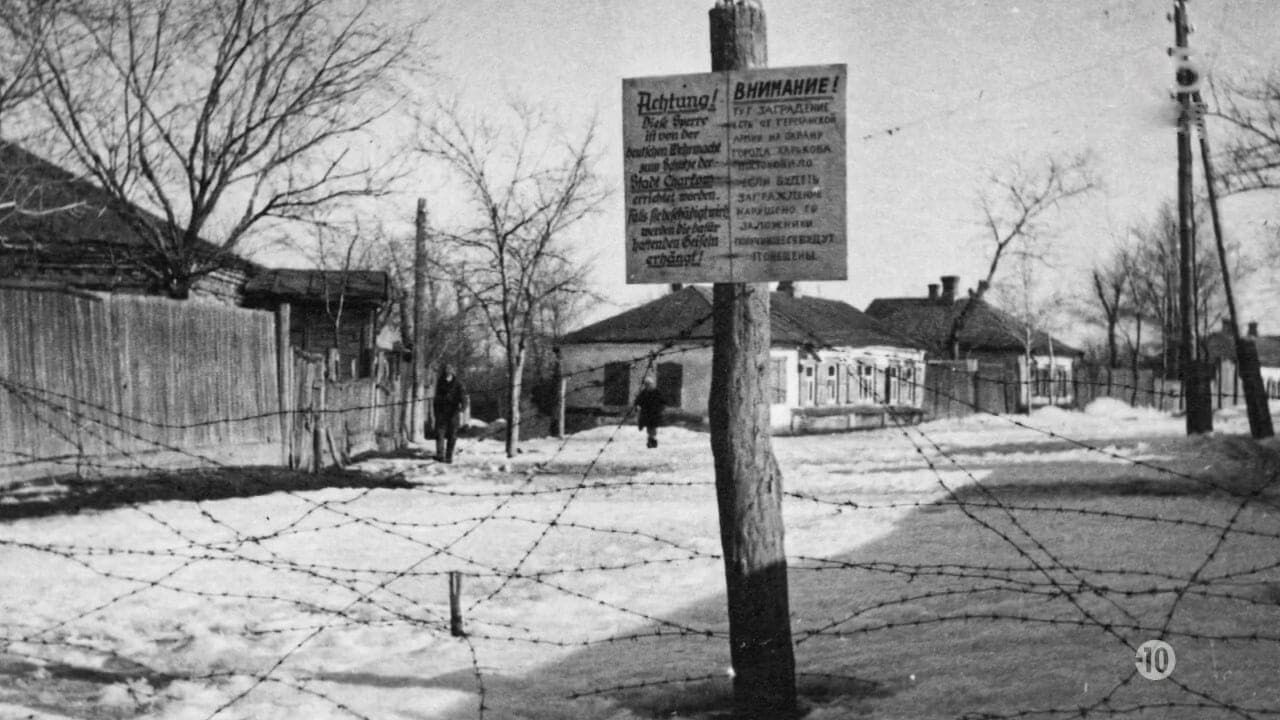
x=1248 y=366
x=417 y=416
x=1198 y=404
x=748 y=481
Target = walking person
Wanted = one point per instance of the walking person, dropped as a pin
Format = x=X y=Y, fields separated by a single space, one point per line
x=650 y=403
x=447 y=405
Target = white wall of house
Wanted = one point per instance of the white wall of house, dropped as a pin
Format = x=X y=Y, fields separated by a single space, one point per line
x=594 y=378
x=607 y=377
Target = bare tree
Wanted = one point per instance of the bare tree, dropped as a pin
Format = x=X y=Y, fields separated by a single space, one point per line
x=228 y=113
x=23 y=26
x=1251 y=110
x=528 y=182
x=1154 y=278
x=1027 y=314
x=1015 y=207
x=1112 y=285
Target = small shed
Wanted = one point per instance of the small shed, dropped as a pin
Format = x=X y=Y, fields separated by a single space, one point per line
x=831 y=366
x=329 y=309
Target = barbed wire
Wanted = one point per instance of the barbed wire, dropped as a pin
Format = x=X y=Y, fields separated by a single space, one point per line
x=1055 y=588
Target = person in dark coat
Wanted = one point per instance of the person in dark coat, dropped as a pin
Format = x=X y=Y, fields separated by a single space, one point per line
x=447 y=404
x=650 y=403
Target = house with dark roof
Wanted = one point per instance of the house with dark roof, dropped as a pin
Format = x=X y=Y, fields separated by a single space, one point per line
x=992 y=340
x=61 y=228
x=1220 y=349
x=831 y=365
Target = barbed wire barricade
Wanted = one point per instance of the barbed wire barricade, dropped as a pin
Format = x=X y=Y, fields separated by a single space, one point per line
x=997 y=579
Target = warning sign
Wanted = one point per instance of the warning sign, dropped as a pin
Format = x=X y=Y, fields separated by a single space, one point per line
x=736 y=176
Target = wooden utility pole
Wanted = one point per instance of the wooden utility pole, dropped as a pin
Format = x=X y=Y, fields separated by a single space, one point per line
x=1198 y=405
x=748 y=481
x=417 y=416
x=1247 y=365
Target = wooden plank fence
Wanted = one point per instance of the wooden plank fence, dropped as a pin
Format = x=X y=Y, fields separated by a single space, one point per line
x=94 y=384
x=338 y=420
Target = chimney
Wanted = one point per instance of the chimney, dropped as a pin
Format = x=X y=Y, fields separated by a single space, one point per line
x=677 y=287
x=949 y=283
x=1253 y=329
x=983 y=287
x=788 y=288
x=933 y=292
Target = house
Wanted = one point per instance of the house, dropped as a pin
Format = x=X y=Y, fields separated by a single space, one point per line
x=831 y=366
x=58 y=227
x=328 y=309
x=1221 y=353
x=998 y=344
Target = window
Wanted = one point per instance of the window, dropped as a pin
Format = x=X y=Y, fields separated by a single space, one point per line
x=671 y=383
x=891 y=386
x=808 y=386
x=617 y=384
x=778 y=380
x=909 y=385
x=1043 y=381
x=830 y=391
x=862 y=380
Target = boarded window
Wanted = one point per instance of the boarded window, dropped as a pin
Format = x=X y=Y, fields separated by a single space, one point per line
x=671 y=383
x=617 y=384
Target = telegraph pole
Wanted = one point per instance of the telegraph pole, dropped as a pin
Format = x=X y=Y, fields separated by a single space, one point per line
x=417 y=413
x=1199 y=411
x=748 y=481
x=1248 y=366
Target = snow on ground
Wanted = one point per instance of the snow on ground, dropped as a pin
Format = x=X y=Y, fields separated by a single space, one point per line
x=334 y=603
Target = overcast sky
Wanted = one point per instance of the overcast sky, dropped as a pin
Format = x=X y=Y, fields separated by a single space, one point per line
x=965 y=86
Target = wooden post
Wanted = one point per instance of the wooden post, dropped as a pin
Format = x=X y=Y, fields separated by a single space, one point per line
x=317 y=424
x=1248 y=366
x=748 y=481
x=562 y=388
x=417 y=417
x=1198 y=404
x=455 y=604
x=284 y=384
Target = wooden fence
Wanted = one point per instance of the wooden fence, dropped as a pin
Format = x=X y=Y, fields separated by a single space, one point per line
x=94 y=384
x=333 y=421
x=958 y=389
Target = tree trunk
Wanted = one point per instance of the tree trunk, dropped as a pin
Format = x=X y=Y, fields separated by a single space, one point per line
x=1113 y=351
x=515 y=376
